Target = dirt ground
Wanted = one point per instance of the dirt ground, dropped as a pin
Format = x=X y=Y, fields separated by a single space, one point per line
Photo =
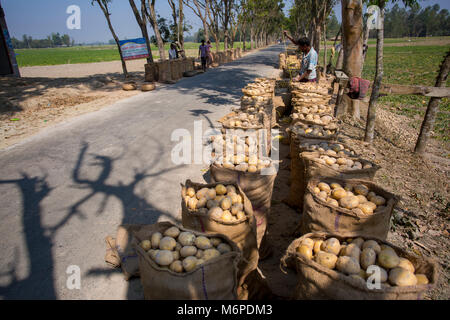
x=420 y=222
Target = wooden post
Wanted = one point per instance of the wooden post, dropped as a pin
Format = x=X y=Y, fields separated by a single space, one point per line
x=433 y=108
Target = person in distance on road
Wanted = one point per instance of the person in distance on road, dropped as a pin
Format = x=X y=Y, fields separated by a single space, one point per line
x=309 y=61
x=173 y=52
x=210 y=59
x=203 y=54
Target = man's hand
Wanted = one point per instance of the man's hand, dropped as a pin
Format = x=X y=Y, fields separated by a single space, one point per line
x=285 y=32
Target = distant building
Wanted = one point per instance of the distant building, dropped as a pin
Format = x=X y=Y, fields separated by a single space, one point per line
x=8 y=62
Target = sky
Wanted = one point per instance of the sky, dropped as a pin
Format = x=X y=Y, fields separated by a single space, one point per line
x=39 y=18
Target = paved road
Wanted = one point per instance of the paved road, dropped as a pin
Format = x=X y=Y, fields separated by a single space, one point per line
x=63 y=190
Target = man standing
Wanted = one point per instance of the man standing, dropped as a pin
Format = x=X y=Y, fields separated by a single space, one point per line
x=203 y=54
x=309 y=61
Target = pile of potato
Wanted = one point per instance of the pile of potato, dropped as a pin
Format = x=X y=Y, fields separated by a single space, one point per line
x=330 y=149
x=359 y=198
x=343 y=163
x=314 y=130
x=220 y=203
x=182 y=251
x=316 y=118
x=231 y=145
x=256 y=100
x=259 y=87
x=319 y=109
x=357 y=258
x=321 y=88
x=245 y=120
x=303 y=100
x=251 y=164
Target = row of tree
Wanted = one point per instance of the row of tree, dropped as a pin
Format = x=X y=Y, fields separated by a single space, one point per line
x=225 y=20
x=416 y=21
x=53 y=40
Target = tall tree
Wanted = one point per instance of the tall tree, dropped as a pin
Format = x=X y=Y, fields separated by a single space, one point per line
x=352 y=29
x=150 y=12
x=199 y=9
x=104 y=5
x=433 y=108
x=142 y=22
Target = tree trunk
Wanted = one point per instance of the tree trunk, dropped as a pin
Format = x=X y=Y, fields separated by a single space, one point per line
x=352 y=37
x=141 y=22
x=340 y=59
x=317 y=34
x=245 y=38
x=252 y=35
x=365 y=44
x=433 y=108
x=372 y=110
x=153 y=21
x=181 y=28
x=107 y=14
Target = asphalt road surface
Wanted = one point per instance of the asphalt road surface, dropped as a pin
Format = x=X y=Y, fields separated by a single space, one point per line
x=65 y=189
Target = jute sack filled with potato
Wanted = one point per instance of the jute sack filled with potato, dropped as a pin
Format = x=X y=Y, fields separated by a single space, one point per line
x=257 y=187
x=213 y=279
x=318 y=280
x=241 y=232
x=322 y=212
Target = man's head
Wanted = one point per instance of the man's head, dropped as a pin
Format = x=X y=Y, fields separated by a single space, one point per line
x=203 y=42
x=304 y=44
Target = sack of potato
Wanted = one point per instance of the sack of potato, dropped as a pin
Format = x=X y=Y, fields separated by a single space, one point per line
x=262 y=88
x=303 y=129
x=180 y=264
x=257 y=186
x=309 y=87
x=319 y=119
x=330 y=266
x=222 y=208
x=243 y=120
x=239 y=146
x=331 y=148
x=320 y=109
x=347 y=206
x=255 y=101
x=234 y=137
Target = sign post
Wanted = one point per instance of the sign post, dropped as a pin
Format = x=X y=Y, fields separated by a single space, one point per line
x=8 y=63
x=134 y=49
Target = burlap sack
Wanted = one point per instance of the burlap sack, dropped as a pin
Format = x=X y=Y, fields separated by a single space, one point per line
x=164 y=73
x=299 y=137
x=281 y=61
x=215 y=279
x=243 y=233
x=150 y=72
x=188 y=64
x=318 y=282
x=221 y=57
x=229 y=55
x=175 y=69
x=257 y=187
x=318 y=215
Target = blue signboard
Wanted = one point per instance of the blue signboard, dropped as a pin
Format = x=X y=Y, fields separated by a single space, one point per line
x=134 y=49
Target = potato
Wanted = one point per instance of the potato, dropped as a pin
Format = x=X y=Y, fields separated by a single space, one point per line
x=225 y=204
x=386 y=247
x=176 y=255
x=342 y=251
x=333 y=202
x=372 y=244
x=201 y=203
x=371 y=270
x=352 y=250
x=368 y=257
x=331 y=245
x=316 y=190
x=192 y=203
x=358 y=241
x=221 y=189
x=164 y=257
x=172 y=232
x=421 y=278
x=349 y=202
x=370 y=195
x=167 y=243
x=362 y=274
x=323 y=195
x=305 y=251
x=212 y=203
x=227 y=216
x=236 y=208
x=190 y=192
x=209 y=254
x=406 y=264
x=186 y=239
x=378 y=200
x=152 y=253
x=324 y=187
x=231 y=189
x=156 y=237
x=146 y=245
x=366 y=208
x=335 y=186
x=188 y=251
x=338 y=194
x=216 y=213
x=176 y=266
x=388 y=259
x=326 y=259
x=215 y=241
x=189 y=263
x=240 y=215
x=234 y=198
x=202 y=193
x=348 y=265
x=224 y=248
x=178 y=247
x=317 y=245
x=362 y=199
x=199 y=254
x=402 y=277
x=308 y=242
x=252 y=169
x=203 y=243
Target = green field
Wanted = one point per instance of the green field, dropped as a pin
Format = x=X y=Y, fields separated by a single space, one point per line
x=87 y=54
